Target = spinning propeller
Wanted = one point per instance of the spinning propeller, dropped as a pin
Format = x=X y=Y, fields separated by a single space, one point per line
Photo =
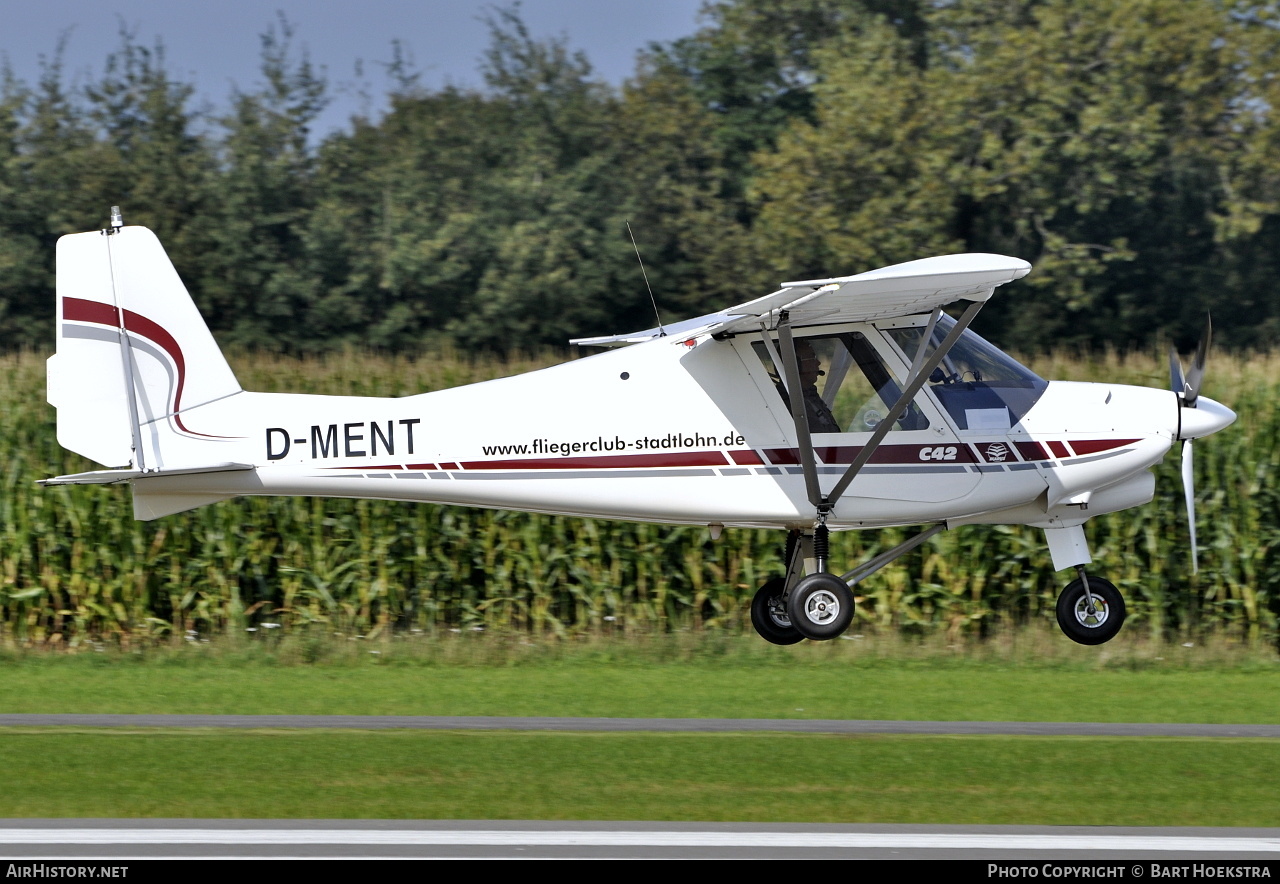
x=1187 y=389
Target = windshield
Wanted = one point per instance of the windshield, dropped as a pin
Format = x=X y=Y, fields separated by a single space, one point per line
x=980 y=386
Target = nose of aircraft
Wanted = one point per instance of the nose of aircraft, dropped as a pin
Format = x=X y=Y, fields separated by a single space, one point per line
x=1205 y=418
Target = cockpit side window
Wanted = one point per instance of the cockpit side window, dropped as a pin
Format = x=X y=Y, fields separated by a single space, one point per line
x=980 y=386
x=846 y=387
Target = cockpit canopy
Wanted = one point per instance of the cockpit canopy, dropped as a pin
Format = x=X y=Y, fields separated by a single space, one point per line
x=848 y=388
x=980 y=386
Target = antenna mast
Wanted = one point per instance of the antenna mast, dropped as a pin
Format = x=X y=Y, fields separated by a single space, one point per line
x=661 y=331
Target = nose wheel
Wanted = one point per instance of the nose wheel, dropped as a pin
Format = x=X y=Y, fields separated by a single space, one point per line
x=1092 y=616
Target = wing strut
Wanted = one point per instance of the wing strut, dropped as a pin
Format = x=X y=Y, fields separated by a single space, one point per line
x=924 y=342
x=791 y=367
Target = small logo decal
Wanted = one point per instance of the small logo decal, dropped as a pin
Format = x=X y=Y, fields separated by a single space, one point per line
x=997 y=452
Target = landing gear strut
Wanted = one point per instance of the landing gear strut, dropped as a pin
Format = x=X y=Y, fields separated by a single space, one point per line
x=819 y=606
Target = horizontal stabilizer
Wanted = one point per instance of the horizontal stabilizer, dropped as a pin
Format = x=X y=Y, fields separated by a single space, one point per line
x=111 y=477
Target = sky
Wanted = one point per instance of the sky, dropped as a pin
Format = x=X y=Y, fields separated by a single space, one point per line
x=215 y=46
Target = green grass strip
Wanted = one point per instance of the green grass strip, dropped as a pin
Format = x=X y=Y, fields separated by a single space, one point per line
x=568 y=776
x=777 y=684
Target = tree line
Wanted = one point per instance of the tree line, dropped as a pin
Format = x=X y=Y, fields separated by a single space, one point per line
x=1130 y=149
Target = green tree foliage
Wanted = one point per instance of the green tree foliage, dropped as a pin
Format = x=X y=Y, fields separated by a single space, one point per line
x=1111 y=143
x=67 y=156
x=496 y=219
x=51 y=170
x=755 y=63
x=867 y=183
x=1119 y=162
x=555 y=198
x=1127 y=148
x=686 y=223
x=146 y=141
x=21 y=245
x=257 y=283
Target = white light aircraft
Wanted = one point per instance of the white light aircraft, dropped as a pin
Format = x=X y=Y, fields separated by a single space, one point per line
x=830 y=404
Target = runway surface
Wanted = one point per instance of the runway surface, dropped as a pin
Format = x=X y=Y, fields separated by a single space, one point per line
x=118 y=841
x=704 y=725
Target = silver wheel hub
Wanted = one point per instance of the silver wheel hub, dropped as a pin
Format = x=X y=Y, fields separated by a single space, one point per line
x=778 y=612
x=1091 y=616
x=822 y=607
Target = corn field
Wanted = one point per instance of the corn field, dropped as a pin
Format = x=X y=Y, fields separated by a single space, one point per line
x=77 y=568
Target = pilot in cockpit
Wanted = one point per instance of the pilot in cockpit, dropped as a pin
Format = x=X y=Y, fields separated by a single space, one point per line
x=817 y=410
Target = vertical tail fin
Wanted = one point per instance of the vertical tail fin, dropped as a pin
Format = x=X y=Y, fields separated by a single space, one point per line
x=134 y=358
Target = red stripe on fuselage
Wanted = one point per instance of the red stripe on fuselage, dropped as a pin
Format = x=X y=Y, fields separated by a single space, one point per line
x=1079 y=447
x=1031 y=450
x=898 y=454
x=1059 y=449
x=885 y=454
x=664 y=459
x=1093 y=446
x=891 y=454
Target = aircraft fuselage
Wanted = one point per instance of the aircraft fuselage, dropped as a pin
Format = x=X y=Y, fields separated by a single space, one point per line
x=678 y=432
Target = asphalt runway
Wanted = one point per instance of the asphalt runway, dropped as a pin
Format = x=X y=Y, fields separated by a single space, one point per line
x=114 y=843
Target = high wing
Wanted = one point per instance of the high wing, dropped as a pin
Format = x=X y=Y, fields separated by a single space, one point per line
x=899 y=290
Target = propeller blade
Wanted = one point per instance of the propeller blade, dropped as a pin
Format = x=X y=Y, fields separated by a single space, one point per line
x=1196 y=375
x=1177 y=383
x=1189 y=492
x=1188 y=389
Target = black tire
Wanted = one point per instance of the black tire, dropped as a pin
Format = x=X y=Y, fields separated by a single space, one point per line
x=769 y=614
x=1088 y=628
x=820 y=606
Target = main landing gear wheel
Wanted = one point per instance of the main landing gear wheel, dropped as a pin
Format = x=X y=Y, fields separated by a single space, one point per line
x=820 y=606
x=1090 y=625
x=769 y=614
